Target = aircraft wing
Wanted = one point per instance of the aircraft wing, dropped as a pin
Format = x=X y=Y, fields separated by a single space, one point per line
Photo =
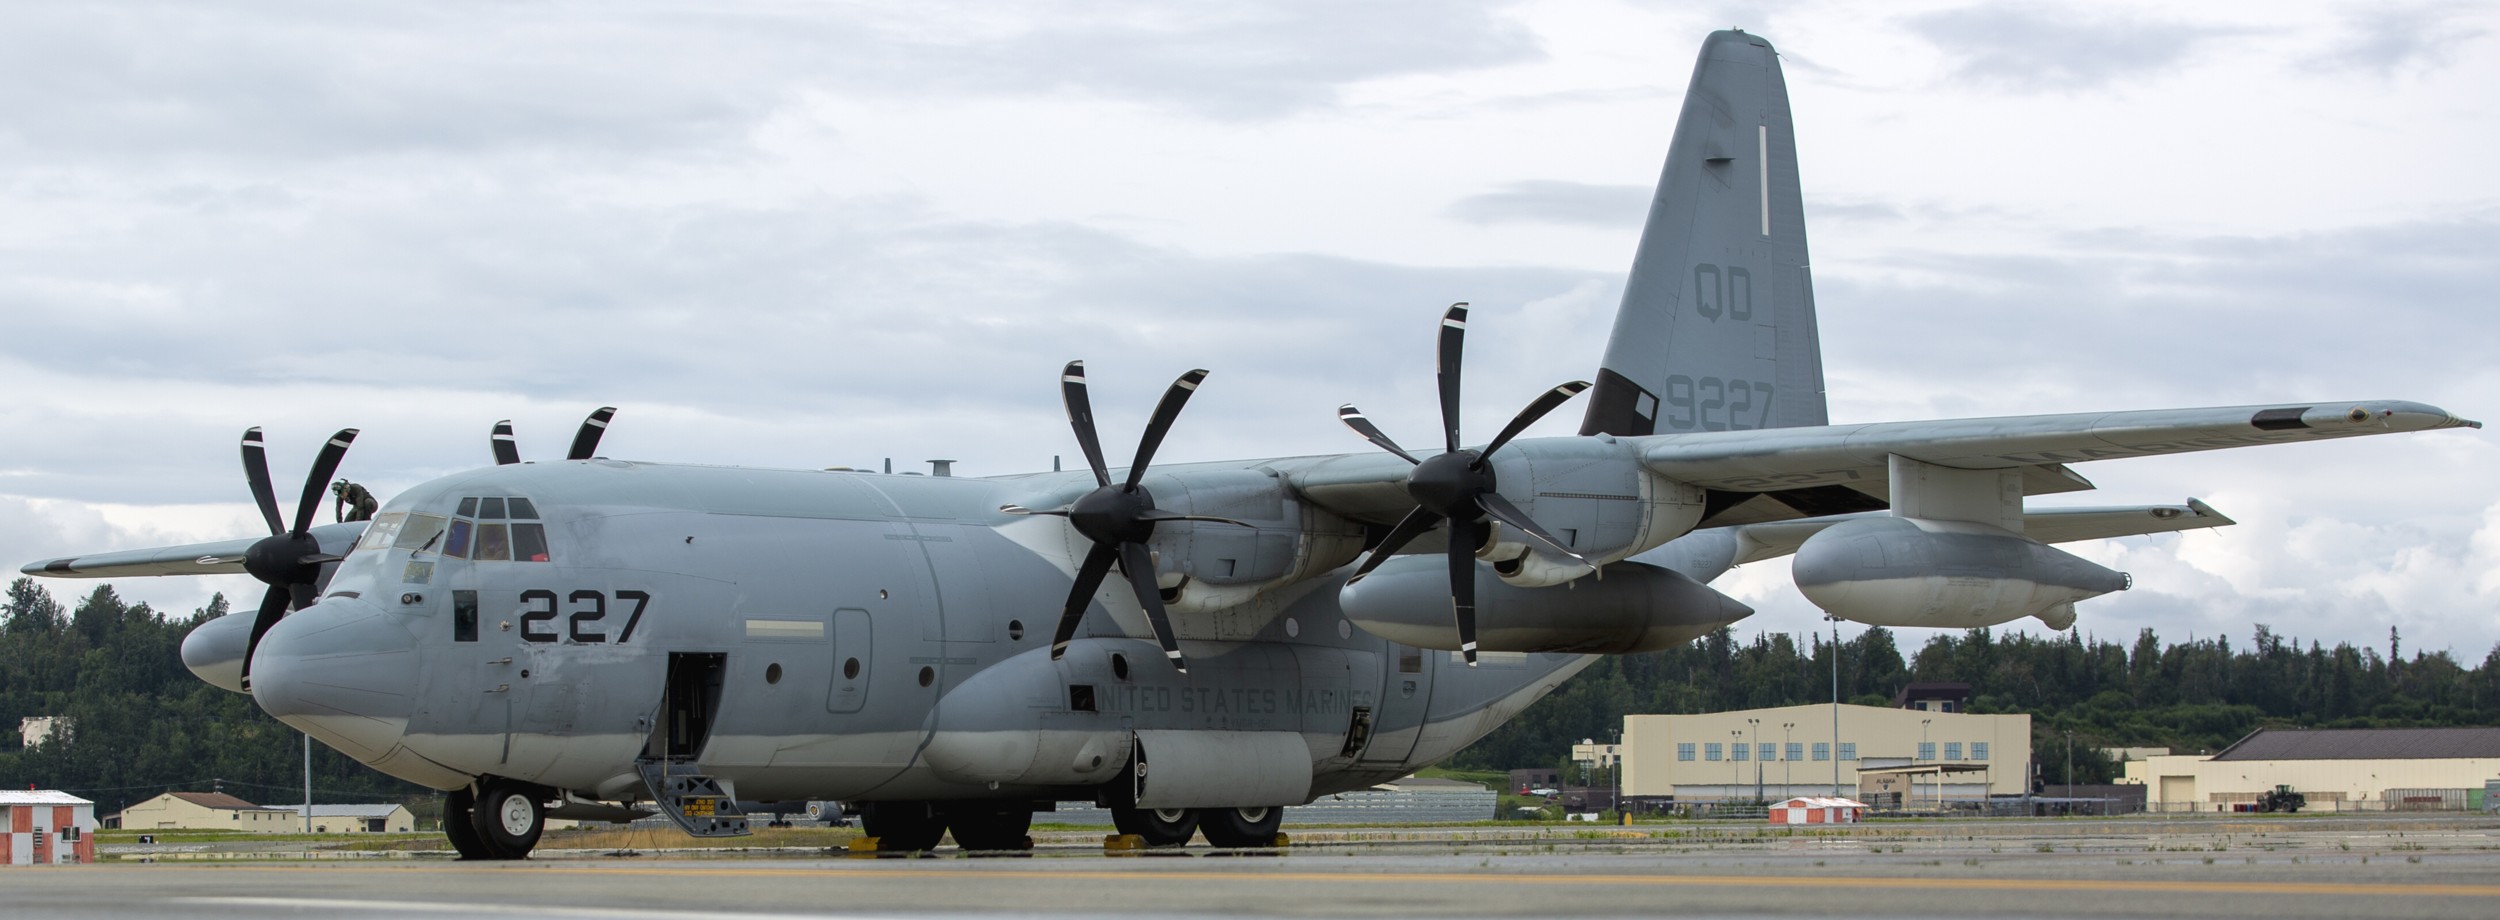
x=1853 y=457
x=223 y=557
x=1756 y=542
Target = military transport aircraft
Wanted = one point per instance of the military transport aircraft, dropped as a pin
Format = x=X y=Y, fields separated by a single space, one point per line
x=597 y=637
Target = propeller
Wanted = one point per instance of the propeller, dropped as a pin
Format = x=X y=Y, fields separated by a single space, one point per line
x=289 y=560
x=585 y=441
x=1457 y=485
x=1119 y=518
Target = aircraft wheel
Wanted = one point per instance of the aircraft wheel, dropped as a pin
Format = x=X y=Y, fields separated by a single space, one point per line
x=456 y=808
x=1159 y=827
x=902 y=826
x=1241 y=828
x=508 y=817
x=979 y=829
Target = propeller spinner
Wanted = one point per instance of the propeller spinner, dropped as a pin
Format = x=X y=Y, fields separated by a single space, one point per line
x=1458 y=485
x=585 y=440
x=1119 y=518
x=289 y=560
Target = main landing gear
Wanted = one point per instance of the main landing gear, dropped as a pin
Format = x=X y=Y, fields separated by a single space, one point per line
x=904 y=827
x=1225 y=828
x=496 y=818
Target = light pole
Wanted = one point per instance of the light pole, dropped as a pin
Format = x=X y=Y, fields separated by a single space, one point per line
x=1835 y=704
x=1924 y=747
x=1734 y=772
x=2070 y=763
x=1788 y=764
x=1753 y=730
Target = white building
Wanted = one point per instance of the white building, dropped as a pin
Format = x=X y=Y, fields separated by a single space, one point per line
x=1767 y=755
x=45 y=828
x=2348 y=769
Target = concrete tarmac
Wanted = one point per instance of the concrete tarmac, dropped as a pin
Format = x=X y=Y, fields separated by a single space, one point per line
x=2279 y=868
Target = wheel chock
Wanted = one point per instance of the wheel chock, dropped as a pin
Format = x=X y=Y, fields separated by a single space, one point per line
x=864 y=847
x=1123 y=845
x=1282 y=841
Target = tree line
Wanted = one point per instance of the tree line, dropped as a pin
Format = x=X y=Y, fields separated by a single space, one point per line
x=136 y=723
x=2193 y=696
x=133 y=722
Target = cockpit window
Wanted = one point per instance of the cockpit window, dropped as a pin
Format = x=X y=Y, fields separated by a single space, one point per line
x=494 y=543
x=421 y=532
x=495 y=529
x=382 y=531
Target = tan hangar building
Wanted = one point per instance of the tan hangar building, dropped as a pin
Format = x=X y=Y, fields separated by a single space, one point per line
x=1895 y=757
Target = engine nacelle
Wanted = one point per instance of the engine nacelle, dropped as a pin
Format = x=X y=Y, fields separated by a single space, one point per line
x=1625 y=607
x=1909 y=572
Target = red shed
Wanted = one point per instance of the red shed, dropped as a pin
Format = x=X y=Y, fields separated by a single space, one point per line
x=45 y=828
x=1815 y=809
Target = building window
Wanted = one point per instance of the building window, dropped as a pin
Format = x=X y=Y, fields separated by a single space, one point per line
x=1741 y=750
x=1926 y=750
x=1769 y=751
x=1822 y=750
x=1710 y=751
x=1979 y=750
x=1953 y=750
x=1796 y=751
x=1848 y=750
x=1684 y=750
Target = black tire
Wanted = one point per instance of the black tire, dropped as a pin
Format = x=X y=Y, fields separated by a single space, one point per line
x=508 y=817
x=1241 y=828
x=902 y=826
x=457 y=806
x=982 y=830
x=1169 y=827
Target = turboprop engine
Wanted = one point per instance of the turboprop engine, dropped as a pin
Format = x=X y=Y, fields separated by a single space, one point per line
x=1627 y=607
x=1900 y=571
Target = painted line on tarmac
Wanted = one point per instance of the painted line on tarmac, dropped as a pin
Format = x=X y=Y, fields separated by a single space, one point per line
x=488 y=910
x=2101 y=886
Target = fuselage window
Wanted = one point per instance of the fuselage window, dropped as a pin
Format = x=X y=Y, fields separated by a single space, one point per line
x=521 y=507
x=490 y=509
x=468 y=507
x=456 y=540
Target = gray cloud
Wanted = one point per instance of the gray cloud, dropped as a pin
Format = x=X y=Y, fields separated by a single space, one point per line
x=1605 y=207
x=2391 y=37
x=2045 y=49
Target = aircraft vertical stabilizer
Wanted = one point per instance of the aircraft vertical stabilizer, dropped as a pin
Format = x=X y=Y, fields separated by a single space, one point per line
x=1716 y=331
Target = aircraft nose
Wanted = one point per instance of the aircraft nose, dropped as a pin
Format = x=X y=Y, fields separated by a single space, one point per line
x=341 y=671
x=214 y=650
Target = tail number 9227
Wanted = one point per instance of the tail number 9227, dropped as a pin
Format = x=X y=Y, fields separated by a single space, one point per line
x=583 y=613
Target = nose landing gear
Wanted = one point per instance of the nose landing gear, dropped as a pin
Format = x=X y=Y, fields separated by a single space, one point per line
x=497 y=818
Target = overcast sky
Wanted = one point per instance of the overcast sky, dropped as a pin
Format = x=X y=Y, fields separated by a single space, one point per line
x=812 y=234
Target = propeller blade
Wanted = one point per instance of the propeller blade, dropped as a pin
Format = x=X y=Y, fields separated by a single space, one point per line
x=1409 y=527
x=1500 y=509
x=1362 y=425
x=318 y=484
x=1464 y=535
x=1141 y=577
x=1166 y=411
x=1543 y=403
x=1080 y=596
x=586 y=440
x=1081 y=418
x=1453 y=344
x=506 y=452
x=1012 y=508
x=272 y=608
x=256 y=470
